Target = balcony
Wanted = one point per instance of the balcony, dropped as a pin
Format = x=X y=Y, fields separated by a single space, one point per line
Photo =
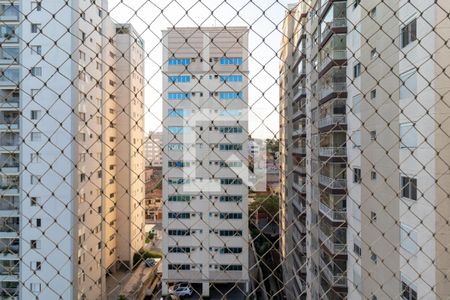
x=338 y=279
x=9 y=141
x=299 y=206
x=299 y=131
x=300 y=169
x=9 y=290
x=333 y=151
x=9 y=55
x=9 y=224
x=9 y=120
x=9 y=184
x=9 y=77
x=301 y=92
x=300 y=187
x=9 y=12
x=332 y=25
x=332 y=120
x=333 y=55
x=332 y=182
x=9 y=99
x=333 y=88
x=9 y=246
x=335 y=247
x=9 y=203
x=299 y=150
x=338 y=215
x=7 y=34
x=9 y=267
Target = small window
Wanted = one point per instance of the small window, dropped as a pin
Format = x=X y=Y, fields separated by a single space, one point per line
x=373 y=53
x=357 y=70
x=408 y=135
x=408 y=33
x=35 y=28
x=356 y=175
x=36 y=71
x=373 y=257
x=373 y=175
x=36 y=5
x=35 y=288
x=35 y=114
x=409 y=291
x=373 y=12
x=373 y=135
x=35 y=244
x=356 y=249
x=356 y=139
x=36 y=136
x=373 y=94
x=356 y=3
x=36 y=49
x=408 y=187
x=373 y=216
x=34 y=201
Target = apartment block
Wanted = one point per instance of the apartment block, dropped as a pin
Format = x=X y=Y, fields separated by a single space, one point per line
x=205 y=210
x=60 y=126
x=153 y=149
x=363 y=150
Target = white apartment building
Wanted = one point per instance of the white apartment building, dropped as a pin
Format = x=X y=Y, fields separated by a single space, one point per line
x=363 y=150
x=61 y=203
x=205 y=213
x=153 y=149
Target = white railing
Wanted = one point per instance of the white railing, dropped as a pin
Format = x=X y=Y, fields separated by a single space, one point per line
x=335 y=87
x=336 y=23
x=333 y=151
x=299 y=131
x=334 y=247
x=332 y=183
x=300 y=187
x=301 y=150
x=337 y=279
x=333 y=55
x=332 y=120
x=300 y=169
x=336 y=215
x=300 y=92
x=299 y=206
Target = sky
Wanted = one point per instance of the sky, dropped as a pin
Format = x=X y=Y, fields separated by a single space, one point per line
x=263 y=17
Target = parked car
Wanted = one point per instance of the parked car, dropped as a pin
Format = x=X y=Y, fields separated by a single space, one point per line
x=150 y=262
x=182 y=291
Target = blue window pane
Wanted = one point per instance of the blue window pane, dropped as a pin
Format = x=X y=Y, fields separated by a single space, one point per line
x=179 y=129
x=230 y=95
x=231 y=60
x=231 y=78
x=179 y=78
x=178 y=96
x=178 y=113
x=179 y=61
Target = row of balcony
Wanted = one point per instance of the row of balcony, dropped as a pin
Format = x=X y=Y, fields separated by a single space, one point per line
x=338 y=215
x=333 y=151
x=334 y=245
x=334 y=183
x=332 y=120
x=335 y=277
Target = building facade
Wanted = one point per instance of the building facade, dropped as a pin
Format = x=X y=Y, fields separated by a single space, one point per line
x=205 y=209
x=153 y=149
x=59 y=128
x=362 y=151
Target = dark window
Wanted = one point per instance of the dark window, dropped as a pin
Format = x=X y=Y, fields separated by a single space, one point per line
x=408 y=187
x=408 y=33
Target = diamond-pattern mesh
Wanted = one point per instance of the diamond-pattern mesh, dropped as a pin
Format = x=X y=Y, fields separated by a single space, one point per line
x=224 y=149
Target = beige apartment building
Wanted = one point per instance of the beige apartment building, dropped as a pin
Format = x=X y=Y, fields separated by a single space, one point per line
x=364 y=112
x=205 y=159
x=71 y=148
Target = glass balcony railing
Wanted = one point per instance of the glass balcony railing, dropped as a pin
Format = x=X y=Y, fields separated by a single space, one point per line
x=331 y=56
x=9 y=55
x=334 y=183
x=7 y=34
x=333 y=87
x=9 y=141
x=9 y=12
x=335 y=246
x=9 y=246
x=9 y=203
x=9 y=224
x=332 y=120
x=336 y=278
x=9 y=120
x=9 y=77
x=333 y=214
x=333 y=151
x=9 y=267
x=9 y=99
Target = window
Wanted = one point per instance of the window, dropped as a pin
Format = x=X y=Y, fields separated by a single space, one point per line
x=408 y=84
x=179 y=267
x=179 y=61
x=181 y=198
x=34 y=201
x=36 y=265
x=178 y=96
x=356 y=138
x=373 y=216
x=373 y=257
x=231 y=60
x=373 y=175
x=408 y=238
x=356 y=175
x=36 y=136
x=35 y=244
x=373 y=135
x=230 y=95
x=35 y=288
x=409 y=291
x=34 y=157
x=35 y=114
x=179 y=78
x=230 y=232
x=356 y=3
x=408 y=33
x=180 y=215
x=357 y=249
x=373 y=94
x=36 y=49
x=357 y=70
x=36 y=222
x=229 y=216
x=230 y=198
x=231 y=78
x=408 y=135
x=36 y=71
x=373 y=53
x=408 y=187
x=373 y=12
x=35 y=28
x=36 y=5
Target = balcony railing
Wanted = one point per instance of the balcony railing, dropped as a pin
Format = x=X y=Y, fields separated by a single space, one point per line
x=301 y=92
x=332 y=120
x=335 y=87
x=9 y=12
x=336 y=23
x=9 y=227
x=8 y=203
x=333 y=55
x=333 y=214
x=333 y=151
x=9 y=103
x=301 y=187
x=299 y=150
x=299 y=131
x=332 y=182
x=9 y=76
x=335 y=278
x=334 y=247
x=300 y=169
x=9 y=270
x=299 y=206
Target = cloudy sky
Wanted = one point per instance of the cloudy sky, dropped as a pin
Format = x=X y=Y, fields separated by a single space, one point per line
x=264 y=17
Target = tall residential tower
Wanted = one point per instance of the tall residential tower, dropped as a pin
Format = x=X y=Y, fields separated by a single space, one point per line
x=67 y=101
x=205 y=213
